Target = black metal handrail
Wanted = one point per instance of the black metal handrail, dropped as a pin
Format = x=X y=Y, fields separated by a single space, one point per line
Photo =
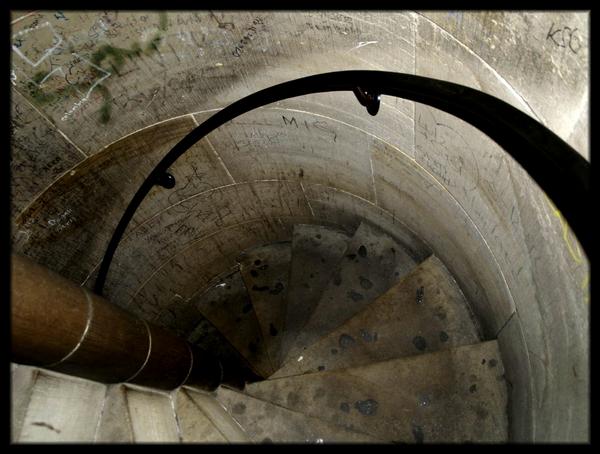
x=560 y=171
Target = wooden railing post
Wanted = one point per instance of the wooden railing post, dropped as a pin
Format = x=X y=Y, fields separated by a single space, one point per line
x=60 y=326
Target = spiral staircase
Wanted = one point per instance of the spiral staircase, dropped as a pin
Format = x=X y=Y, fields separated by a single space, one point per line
x=397 y=278
x=355 y=342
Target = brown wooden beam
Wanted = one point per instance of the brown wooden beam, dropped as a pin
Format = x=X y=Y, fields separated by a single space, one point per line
x=60 y=326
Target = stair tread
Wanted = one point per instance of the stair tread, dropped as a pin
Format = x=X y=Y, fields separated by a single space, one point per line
x=265 y=271
x=453 y=395
x=115 y=423
x=194 y=424
x=62 y=409
x=227 y=306
x=217 y=414
x=315 y=250
x=266 y=422
x=373 y=262
x=425 y=311
x=152 y=416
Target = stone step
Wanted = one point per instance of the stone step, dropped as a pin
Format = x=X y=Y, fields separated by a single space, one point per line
x=55 y=407
x=152 y=416
x=227 y=307
x=316 y=250
x=372 y=264
x=194 y=424
x=265 y=270
x=265 y=422
x=452 y=395
x=424 y=312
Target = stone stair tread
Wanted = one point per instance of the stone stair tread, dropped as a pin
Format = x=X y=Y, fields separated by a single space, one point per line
x=424 y=312
x=265 y=271
x=152 y=416
x=265 y=422
x=315 y=251
x=61 y=408
x=227 y=307
x=452 y=395
x=115 y=422
x=218 y=415
x=194 y=425
x=372 y=263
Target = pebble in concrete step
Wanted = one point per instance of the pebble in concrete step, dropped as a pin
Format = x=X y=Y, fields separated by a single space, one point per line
x=315 y=251
x=227 y=306
x=424 y=312
x=454 y=395
x=266 y=423
x=372 y=263
x=265 y=271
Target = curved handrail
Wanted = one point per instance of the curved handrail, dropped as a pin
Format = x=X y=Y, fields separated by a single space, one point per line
x=560 y=171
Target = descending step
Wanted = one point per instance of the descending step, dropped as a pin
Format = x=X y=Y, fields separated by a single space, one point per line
x=265 y=271
x=315 y=251
x=424 y=312
x=265 y=422
x=226 y=305
x=152 y=416
x=22 y=381
x=115 y=422
x=61 y=409
x=217 y=414
x=194 y=425
x=453 y=395
x=372 y=263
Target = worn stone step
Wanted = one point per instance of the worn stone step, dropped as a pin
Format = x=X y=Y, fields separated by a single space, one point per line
x=316 y=250
x=227 y=307
x=152 y=416
x=194 y=424
x=60 y=408
x=453 y=395
x=218 y=415
x=115 y=422
x=372 y=263
x=424 y=312
x=265 y=422
x=265 y=270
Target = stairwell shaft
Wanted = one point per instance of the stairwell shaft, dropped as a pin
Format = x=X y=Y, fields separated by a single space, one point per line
x=60 y=326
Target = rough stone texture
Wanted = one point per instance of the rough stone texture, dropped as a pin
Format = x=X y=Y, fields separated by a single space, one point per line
x=424 y=312
x=194 y=424
x=542 y=57
x=454 y=395
x=228 y=307
x=315 y=250
x=115 y=421
x=198 y=62
x=217 y=414
x=372 y=262
x=266 y=273
x=266 y=423
x=62 y=409
x=152 y=416
x=22 y=381
x=39 y=154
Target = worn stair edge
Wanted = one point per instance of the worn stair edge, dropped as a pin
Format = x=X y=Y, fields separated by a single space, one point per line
x=265 y=271
x=315 y=251
x=194 y=424
x=373 y=262
x=218 y=415
x=454 y=395
x=424 y=311
x=267 y=423
x=62 y=409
